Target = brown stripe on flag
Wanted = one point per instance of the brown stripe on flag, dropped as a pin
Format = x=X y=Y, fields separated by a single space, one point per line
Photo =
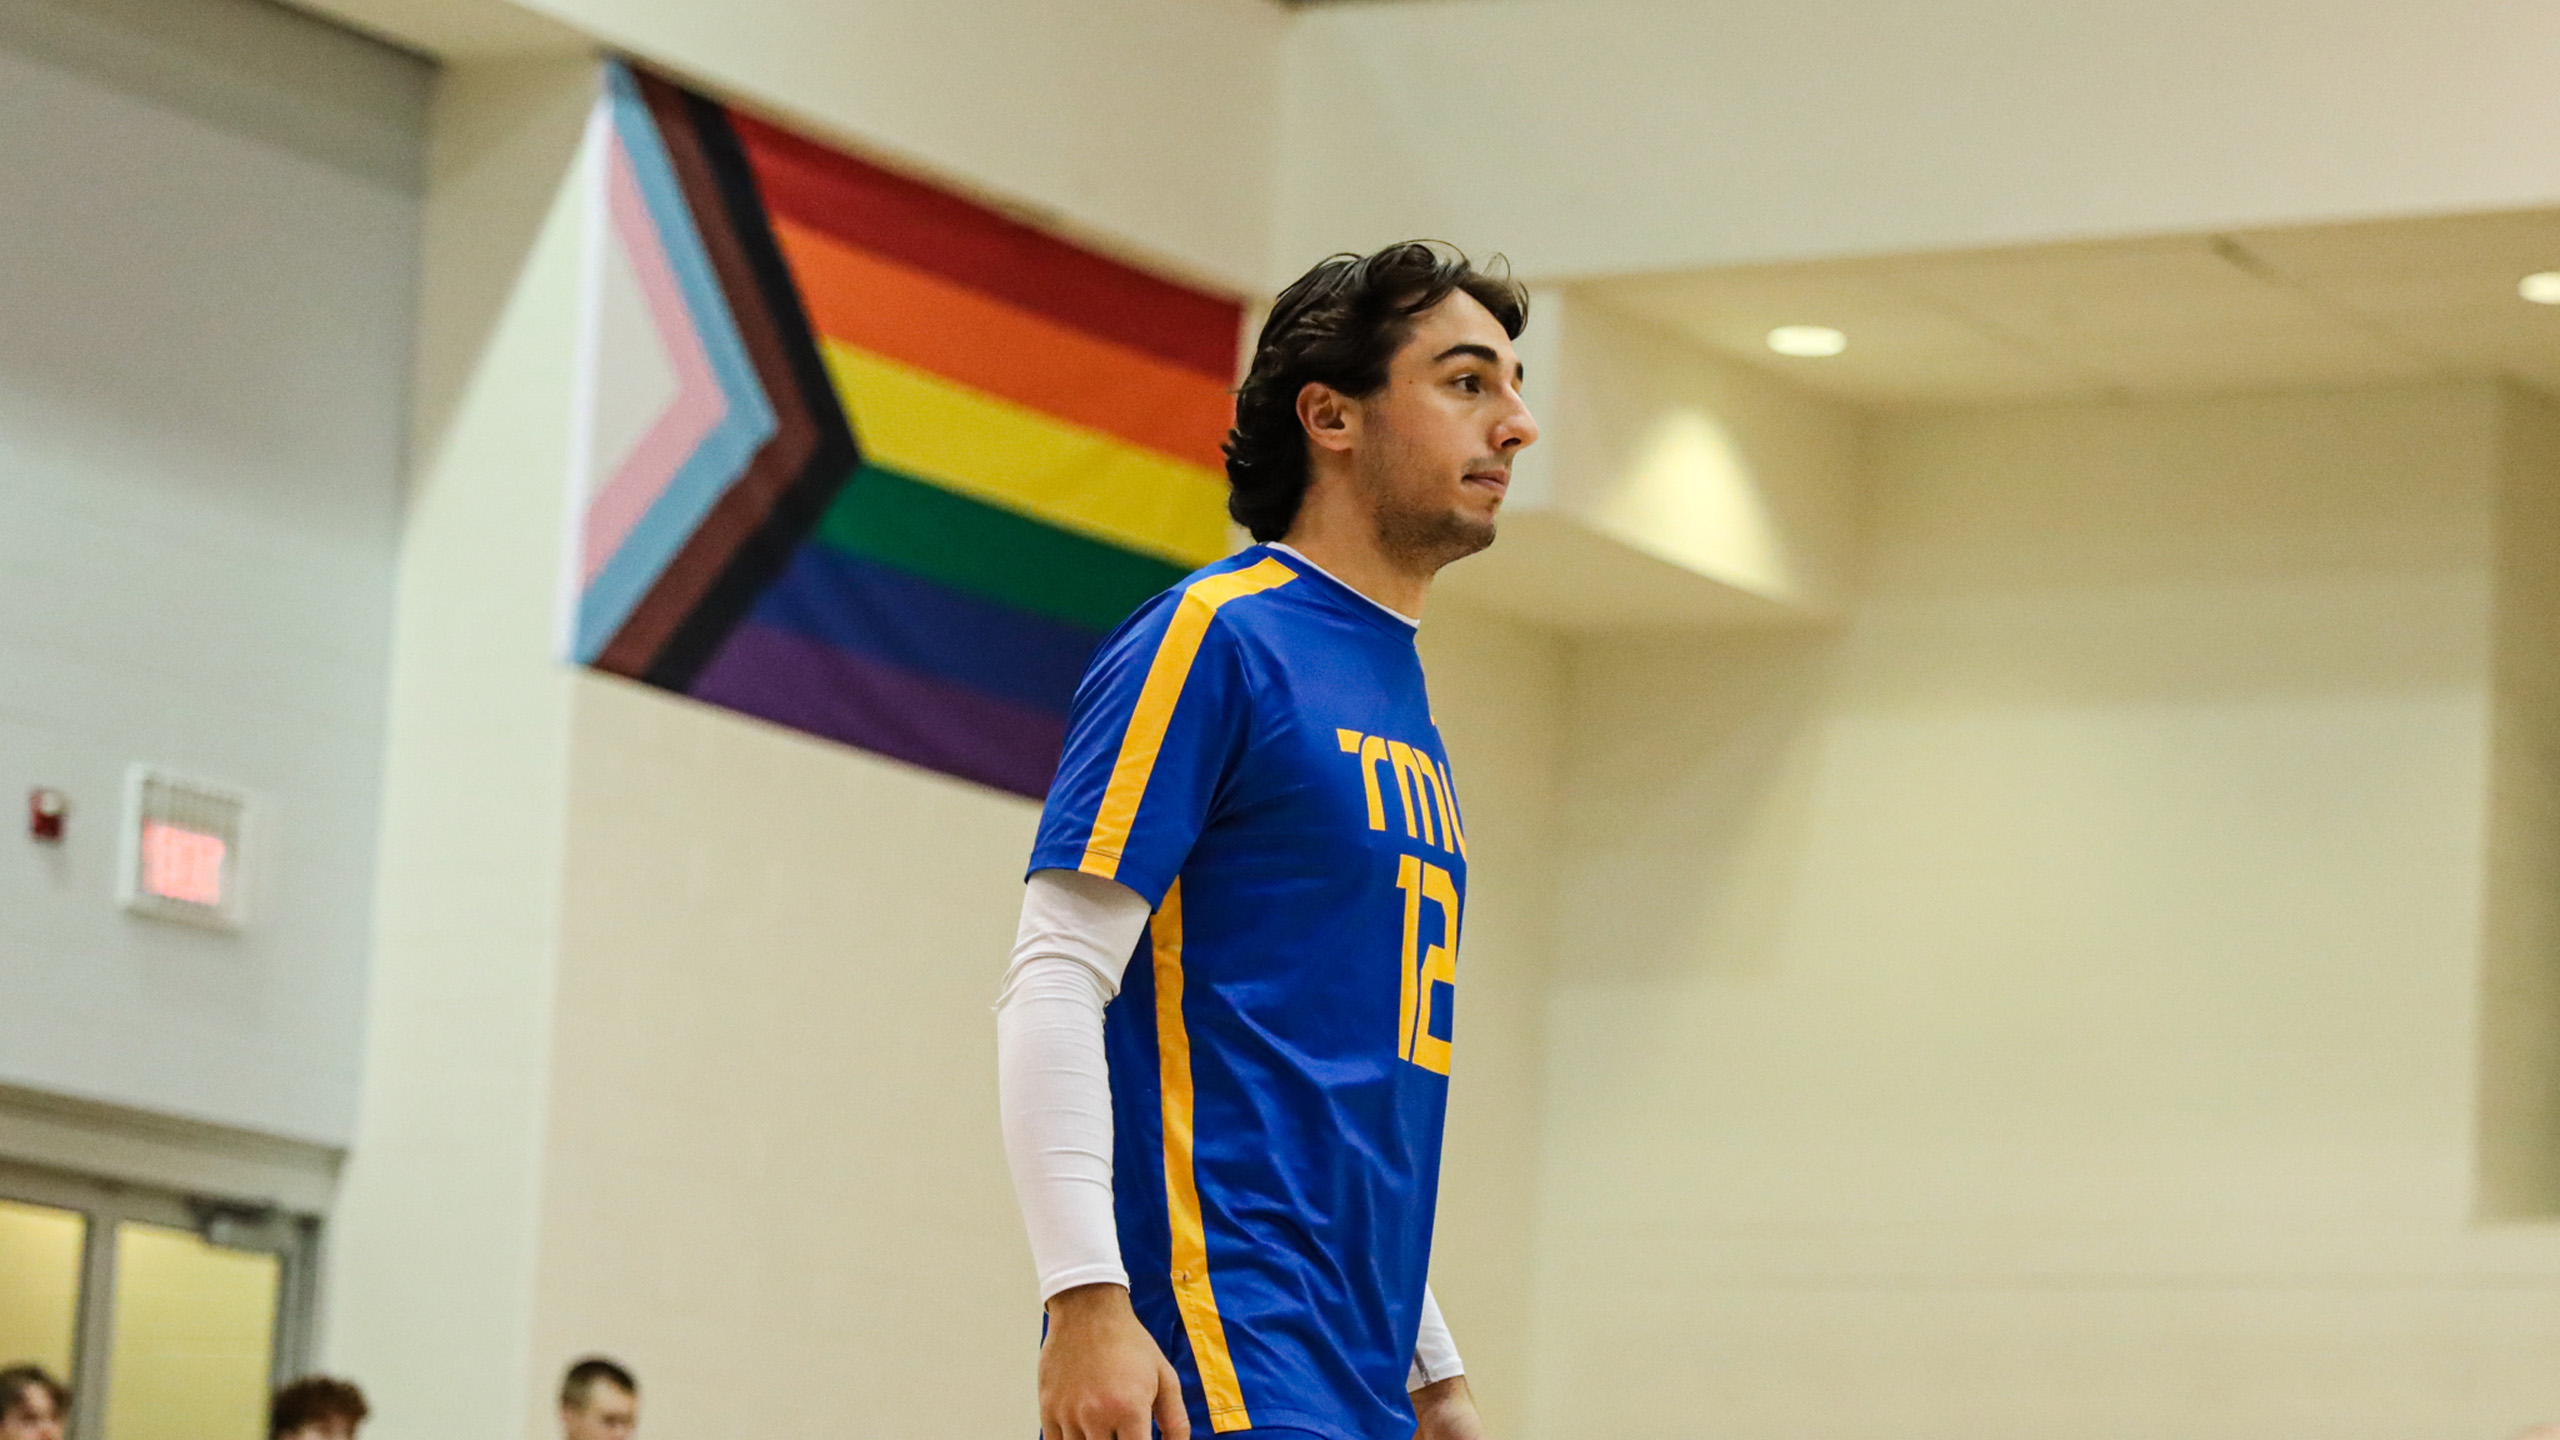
x=762 y=558
x=742 y=509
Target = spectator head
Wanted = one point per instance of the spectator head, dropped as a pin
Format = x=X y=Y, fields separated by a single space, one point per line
x=33 y=1405
x=598 y=1401
x=316 y=1407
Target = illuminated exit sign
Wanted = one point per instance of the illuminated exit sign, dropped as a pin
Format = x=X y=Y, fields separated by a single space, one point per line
x=182 y=864
x=182 y=849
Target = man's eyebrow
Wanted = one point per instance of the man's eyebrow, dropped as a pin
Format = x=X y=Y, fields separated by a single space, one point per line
x=1484 y=353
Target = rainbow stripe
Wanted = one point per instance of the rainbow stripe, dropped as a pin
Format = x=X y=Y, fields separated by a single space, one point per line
x=896 y=462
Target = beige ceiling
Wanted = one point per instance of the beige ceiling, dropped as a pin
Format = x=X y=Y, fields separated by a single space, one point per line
x=2251 y=309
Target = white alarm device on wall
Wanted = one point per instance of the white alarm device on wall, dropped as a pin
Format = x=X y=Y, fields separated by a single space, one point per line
x=184 y=843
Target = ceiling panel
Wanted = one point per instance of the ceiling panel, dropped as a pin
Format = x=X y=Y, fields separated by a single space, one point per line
x=2325 y=305
x=1909 y=349
x=2415 y=266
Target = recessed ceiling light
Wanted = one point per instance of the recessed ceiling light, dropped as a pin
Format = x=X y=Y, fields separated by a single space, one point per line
x=1821 y=339
x=2542 y=287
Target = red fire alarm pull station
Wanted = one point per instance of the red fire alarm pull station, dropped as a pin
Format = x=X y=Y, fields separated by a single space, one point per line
x=46 y=810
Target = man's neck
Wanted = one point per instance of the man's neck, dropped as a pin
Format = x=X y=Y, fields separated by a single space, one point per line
x=1286 y=548
x=1351 y=555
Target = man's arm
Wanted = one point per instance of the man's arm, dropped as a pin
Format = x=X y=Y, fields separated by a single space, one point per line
x=1101 y=1375
x=1446 y=1410
x=1053 y=1080
x=1435 y=1353
x=1443 y=1407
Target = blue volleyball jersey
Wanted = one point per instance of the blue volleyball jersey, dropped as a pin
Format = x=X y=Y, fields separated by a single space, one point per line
x=1253 y=752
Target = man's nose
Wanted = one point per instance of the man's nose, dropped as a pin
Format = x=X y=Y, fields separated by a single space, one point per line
x=1517 y=430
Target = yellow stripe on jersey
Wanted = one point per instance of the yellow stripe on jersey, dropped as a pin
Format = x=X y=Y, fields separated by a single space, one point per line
x=1144 y=739
x=1192 y=1292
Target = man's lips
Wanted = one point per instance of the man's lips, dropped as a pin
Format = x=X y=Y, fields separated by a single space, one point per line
x=1497 y=480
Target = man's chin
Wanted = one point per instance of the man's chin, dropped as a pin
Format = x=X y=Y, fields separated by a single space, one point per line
x=1435 y=540
x=1461 y=538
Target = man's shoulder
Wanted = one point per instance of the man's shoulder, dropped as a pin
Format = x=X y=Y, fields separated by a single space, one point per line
x=1245 y=592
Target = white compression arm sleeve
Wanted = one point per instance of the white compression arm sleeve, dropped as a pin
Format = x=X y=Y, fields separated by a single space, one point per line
x=1052 y=1080
x=1435 y=1355
x=1054 y=1085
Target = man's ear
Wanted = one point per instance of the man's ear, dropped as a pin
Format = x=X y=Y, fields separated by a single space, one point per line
x=1330 y=418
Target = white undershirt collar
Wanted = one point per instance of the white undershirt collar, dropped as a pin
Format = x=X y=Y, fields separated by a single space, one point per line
x=1284 y=545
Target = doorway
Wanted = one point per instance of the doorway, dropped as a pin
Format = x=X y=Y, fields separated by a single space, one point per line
x=172 y=1316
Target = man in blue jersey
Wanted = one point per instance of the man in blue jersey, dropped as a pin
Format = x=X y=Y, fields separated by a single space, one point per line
x=1224 y=1039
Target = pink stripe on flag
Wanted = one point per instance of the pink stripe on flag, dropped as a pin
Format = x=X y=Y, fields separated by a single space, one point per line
x=644 y=474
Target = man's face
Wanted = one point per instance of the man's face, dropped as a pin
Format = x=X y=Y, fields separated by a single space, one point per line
x=1436 y=441
x=334 y=1427
x=610 y=1413
x=33 y=1417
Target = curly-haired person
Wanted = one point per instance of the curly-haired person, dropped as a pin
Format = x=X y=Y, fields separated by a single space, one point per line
x=1228 y=1151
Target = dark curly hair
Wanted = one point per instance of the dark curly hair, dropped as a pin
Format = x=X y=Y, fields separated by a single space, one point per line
x=312 y=1400
x=1339 y=325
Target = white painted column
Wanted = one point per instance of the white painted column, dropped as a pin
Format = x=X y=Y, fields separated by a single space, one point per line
x=432 y=1250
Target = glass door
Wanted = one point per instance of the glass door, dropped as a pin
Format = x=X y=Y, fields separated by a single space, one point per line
x=40 y=1249
x=172 y=1317
x=193 y=1352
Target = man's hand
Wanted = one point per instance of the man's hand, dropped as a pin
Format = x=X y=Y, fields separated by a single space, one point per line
x=1101 y=1375
x=1445 y=1410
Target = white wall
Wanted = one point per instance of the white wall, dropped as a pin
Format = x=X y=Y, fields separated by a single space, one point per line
x=1144 y=126
x=774 y=1182
x=1241 y=141
x=1669 y=488
x=433 y=1242
x=1139 y=123
x=1498 y=694
x=208 y=223
x=2519 y=1106
x=1588 y=137
x=2044 y=1004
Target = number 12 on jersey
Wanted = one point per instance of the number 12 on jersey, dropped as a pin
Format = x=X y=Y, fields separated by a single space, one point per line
x=1423 y=968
